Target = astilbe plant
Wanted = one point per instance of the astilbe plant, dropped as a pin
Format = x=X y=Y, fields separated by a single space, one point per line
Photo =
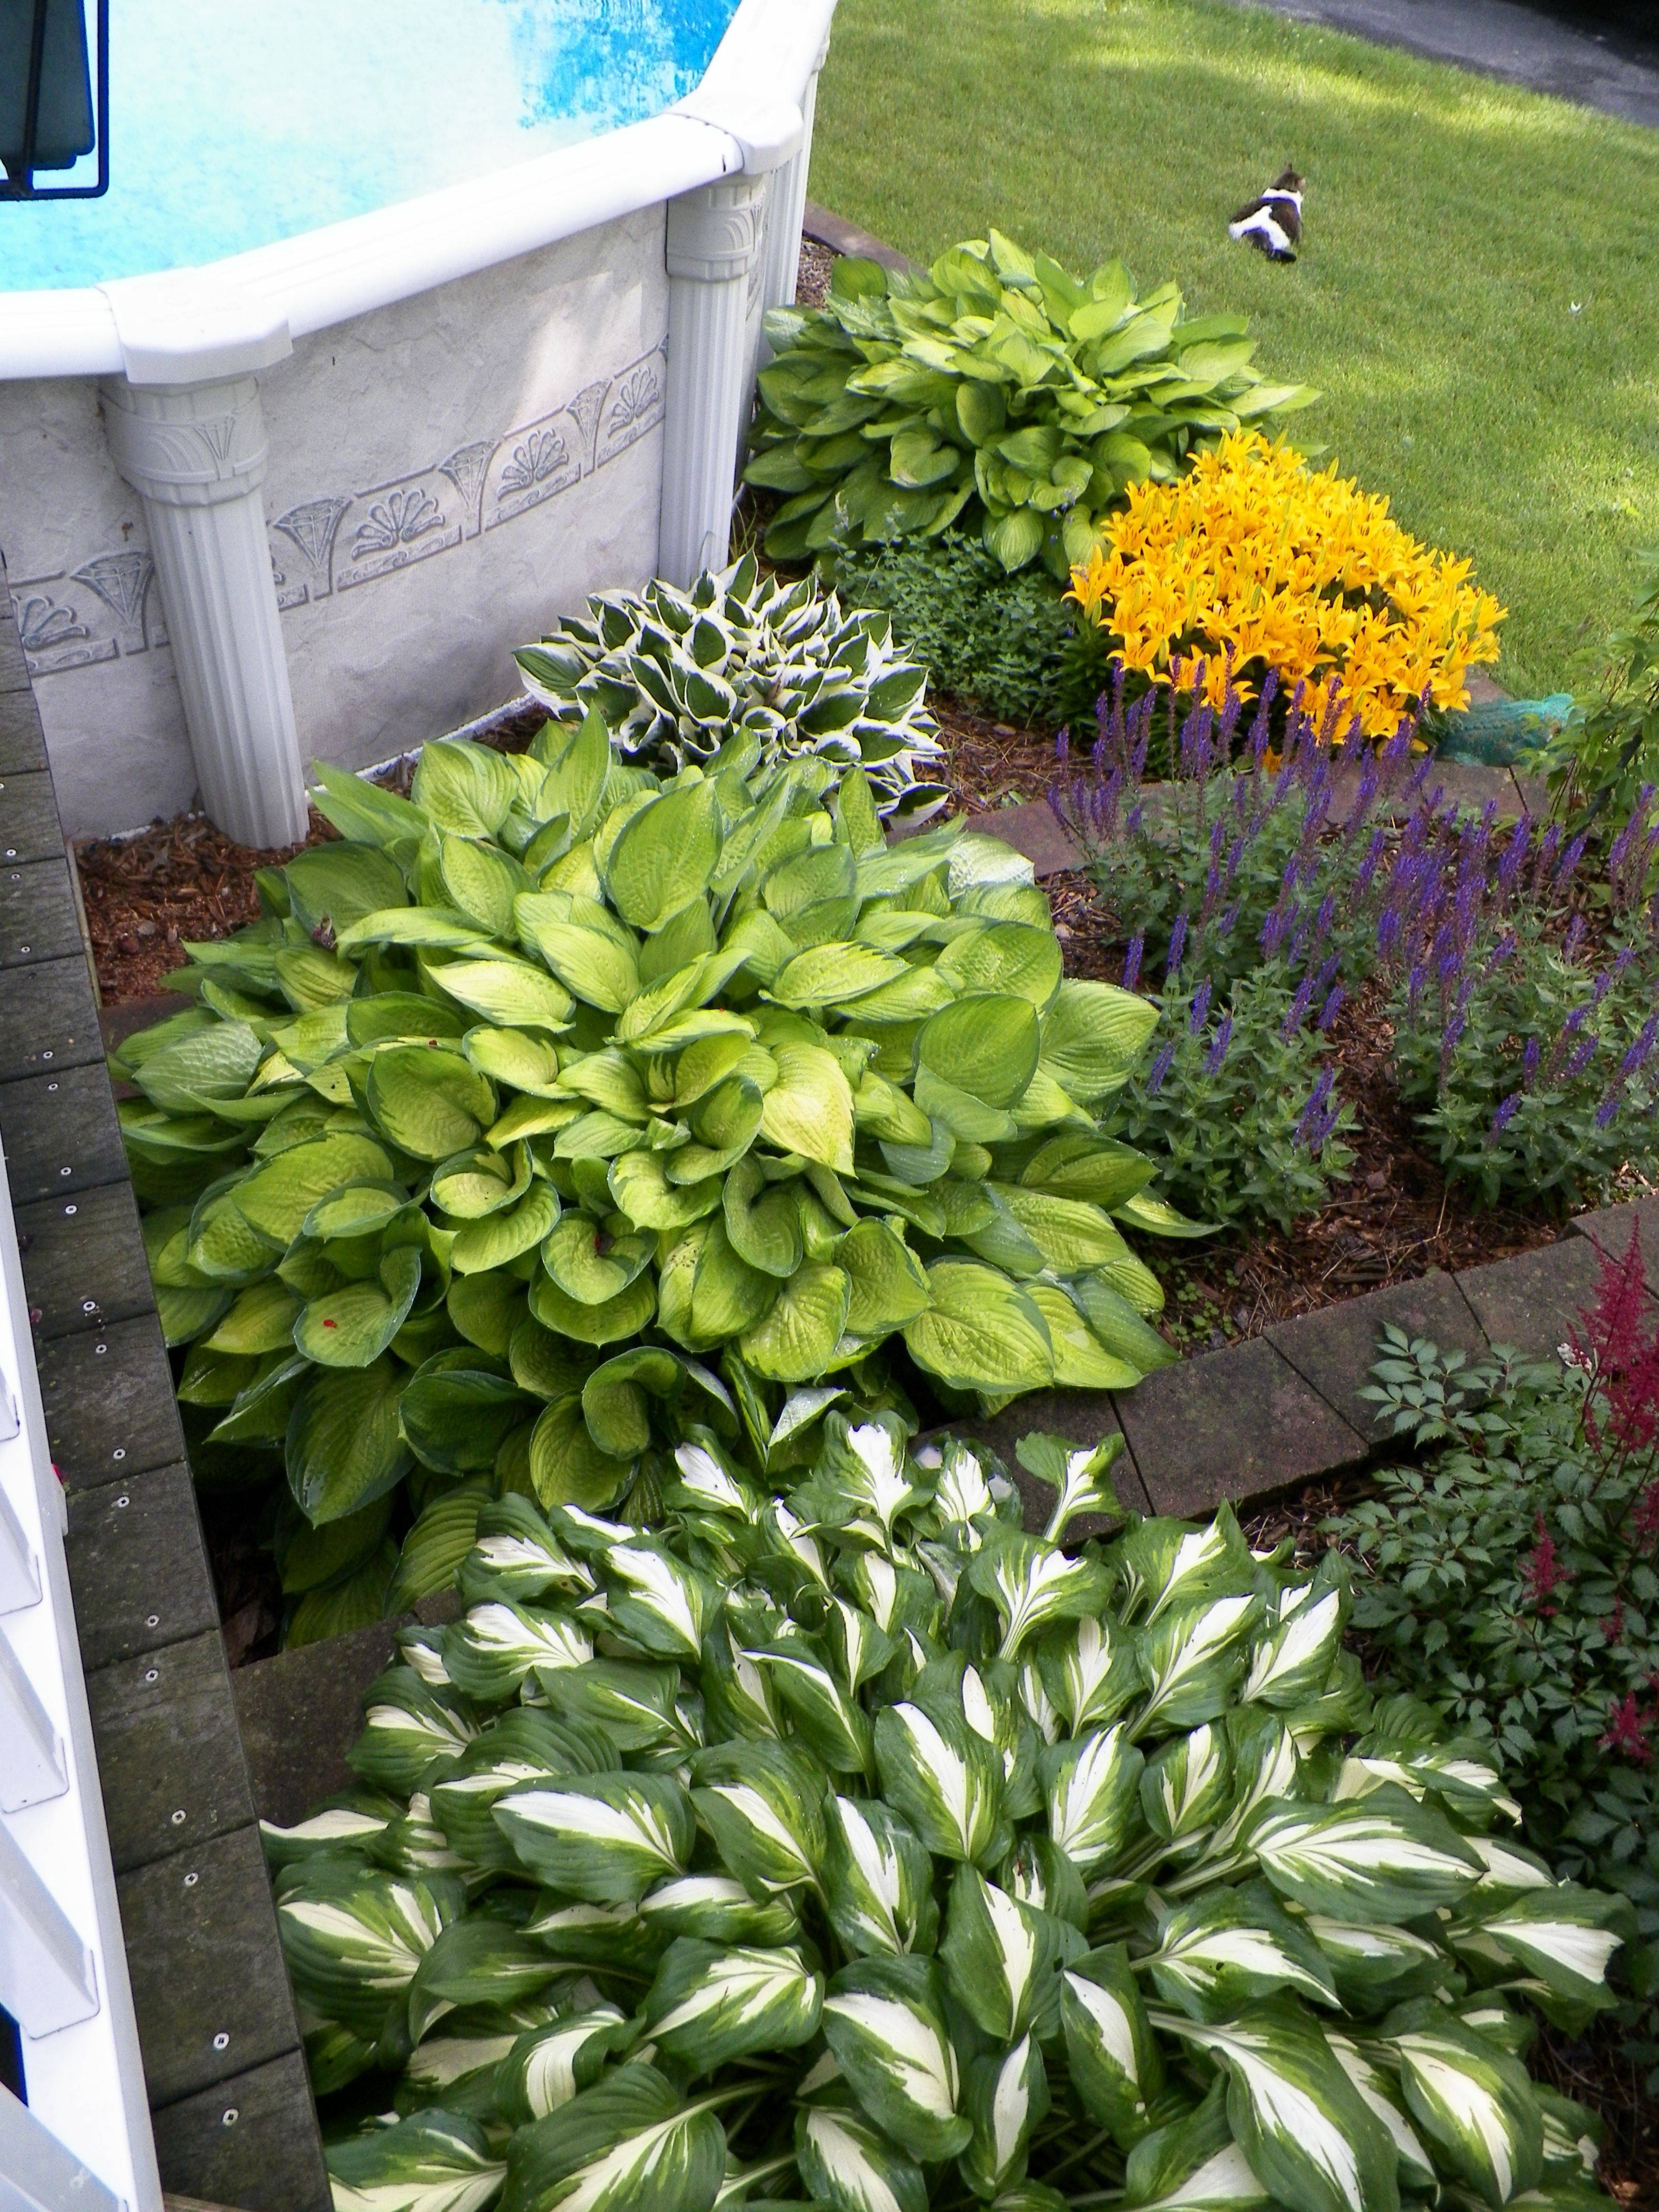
x=858 y=1846
x=1512 y=1580
x=545 y=1092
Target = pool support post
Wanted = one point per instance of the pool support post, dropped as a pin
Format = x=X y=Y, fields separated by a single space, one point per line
x=186 y=429
x=787 y=208
x=713 y=247
x=721 y=253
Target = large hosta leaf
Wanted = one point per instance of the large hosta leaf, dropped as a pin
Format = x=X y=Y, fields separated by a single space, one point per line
x=1471 y=2100
x=763 y=1805
x=846 y=2161
x=1379 y=1858
x=878 y=1881
x=631 y=2143
x=607 y=1839
x=1309 y=2136
x=884 y=2020
x=1001 y=1956
x=344 y=1443
x=1006 y=2097
x=940 y=1776
x=436 y=2161
x=1111 y=2053
x=712 y=2002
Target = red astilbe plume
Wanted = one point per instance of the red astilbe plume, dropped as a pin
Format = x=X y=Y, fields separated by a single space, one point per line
x=1628 y=1731
x=1544 y=1572
x=1618 y=1352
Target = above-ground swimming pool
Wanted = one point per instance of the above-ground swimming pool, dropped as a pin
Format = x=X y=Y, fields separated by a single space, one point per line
x=402 y=328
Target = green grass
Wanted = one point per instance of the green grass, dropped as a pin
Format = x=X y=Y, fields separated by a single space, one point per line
x=1478 y=297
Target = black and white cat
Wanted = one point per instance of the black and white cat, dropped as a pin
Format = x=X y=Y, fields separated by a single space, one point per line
x=1273 y=223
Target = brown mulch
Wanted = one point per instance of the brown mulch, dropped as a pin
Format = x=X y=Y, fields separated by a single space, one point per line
x=812 y=274
x=990 y=765
x=146 y=897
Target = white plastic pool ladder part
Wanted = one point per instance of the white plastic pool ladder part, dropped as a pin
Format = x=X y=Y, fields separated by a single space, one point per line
x=81 y=2141
x=181 y=353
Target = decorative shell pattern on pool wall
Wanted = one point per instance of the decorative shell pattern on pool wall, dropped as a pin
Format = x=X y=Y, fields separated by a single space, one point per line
x=106 y=607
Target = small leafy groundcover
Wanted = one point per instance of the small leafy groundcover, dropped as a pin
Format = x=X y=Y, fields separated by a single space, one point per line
x=856 y=1847
x=538 y=1098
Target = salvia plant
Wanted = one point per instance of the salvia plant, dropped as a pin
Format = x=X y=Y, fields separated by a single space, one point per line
x=675 y=672
x=858 y=1848
x=540 y=1095
x=1511 y=1578
x=1236 y=1098
x=993 y=388
x=1521 y=989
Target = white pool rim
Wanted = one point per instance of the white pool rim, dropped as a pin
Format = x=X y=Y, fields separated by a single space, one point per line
x=744 y=117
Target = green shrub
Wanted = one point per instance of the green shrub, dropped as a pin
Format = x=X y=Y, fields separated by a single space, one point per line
x=545 y=1087
x=860 y=1848
x=1607 y=751
x=1004 y=643
x=1512 y=1583
x=994 y=387
x=676 y=674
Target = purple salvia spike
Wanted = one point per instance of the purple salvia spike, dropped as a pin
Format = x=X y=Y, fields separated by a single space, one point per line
x=1159 y=1069
x=1132 y=960
x=1331 y=1009
x=1201 y=1009
x=1529 y=1060
x=1505 y=1114
x=1177 y=946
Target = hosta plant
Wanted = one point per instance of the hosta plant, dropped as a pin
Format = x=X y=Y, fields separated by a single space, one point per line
x=860 y=1847
x=541 y=1096
x=996 y=389
x=673 y=673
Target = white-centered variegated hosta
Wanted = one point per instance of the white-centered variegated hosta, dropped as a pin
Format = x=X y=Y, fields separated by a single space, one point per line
x=856 y=1848
x=541 y=1094
x=784 y=665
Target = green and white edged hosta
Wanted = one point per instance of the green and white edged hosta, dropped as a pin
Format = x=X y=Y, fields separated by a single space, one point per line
x=674 y=673
x=559 y=1109
x=898 y=1891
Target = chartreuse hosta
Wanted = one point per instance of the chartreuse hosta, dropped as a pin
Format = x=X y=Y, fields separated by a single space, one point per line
x=854 y=1848
x=560 y=1106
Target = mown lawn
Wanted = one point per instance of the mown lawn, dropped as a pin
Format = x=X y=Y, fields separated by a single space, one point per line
x=1478 y=293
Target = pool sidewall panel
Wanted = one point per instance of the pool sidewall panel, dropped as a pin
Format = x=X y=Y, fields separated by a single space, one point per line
x=83 y=588
x=446 y=476
x=449 y=474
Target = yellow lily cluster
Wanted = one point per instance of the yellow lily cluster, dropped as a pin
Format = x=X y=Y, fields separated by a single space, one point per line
x=1253 y=561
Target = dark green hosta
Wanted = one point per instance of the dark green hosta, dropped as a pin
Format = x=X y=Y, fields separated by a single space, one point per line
x=541 y=1097
x=673 y=673
x=858 y=1847
x=993 y=389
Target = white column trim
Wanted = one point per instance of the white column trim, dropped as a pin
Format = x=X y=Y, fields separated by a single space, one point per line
x=713 y=249
x=195 y=453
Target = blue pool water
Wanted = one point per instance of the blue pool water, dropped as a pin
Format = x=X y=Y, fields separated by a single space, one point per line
x=235 y=122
